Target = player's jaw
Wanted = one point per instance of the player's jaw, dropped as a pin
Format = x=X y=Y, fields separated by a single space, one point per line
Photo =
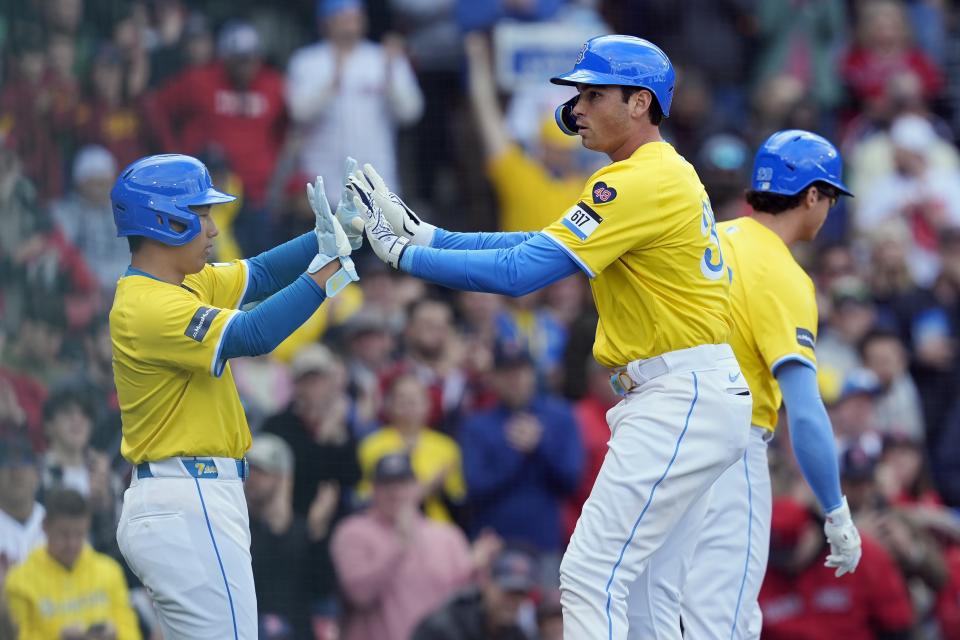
x=198 y=251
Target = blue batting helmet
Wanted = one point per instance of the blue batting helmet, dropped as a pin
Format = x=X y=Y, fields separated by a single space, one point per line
x=157 y=190
x=790 y=161
x=618 y=60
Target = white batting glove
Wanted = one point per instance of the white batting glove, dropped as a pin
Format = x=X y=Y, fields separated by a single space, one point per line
x=347 y=214
x=332 y=241
x=404 y=221
x=384 y=241
x=844 y=540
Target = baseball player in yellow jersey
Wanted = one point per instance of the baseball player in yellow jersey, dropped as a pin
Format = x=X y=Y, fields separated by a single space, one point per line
x=644 y=232
x=175 y=323
x=796 y=179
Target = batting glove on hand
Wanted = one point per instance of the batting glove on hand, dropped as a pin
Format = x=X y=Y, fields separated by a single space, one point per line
x=384 y=241
x=404 y=221
x=332 y=241
x=347 y=214
x=844 y=540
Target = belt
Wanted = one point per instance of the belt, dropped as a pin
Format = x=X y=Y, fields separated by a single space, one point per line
x=201 y=468
x=699 y=358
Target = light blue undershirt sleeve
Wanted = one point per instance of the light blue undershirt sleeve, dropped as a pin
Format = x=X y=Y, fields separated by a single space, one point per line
x=260 y=330
x=810 y=431
x=516 y=271
x=276 y=268
x=443 y=239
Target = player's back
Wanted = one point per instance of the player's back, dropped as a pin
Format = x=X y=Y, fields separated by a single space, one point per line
x=774 y=310
x=645 y=232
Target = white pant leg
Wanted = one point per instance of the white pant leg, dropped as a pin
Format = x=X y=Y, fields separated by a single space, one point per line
x=731 y=555
x=189 y=543
x=654 y=611
x=671 y=438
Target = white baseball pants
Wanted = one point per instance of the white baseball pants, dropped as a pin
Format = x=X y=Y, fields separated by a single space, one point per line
x=683 y=424
x=185 y=533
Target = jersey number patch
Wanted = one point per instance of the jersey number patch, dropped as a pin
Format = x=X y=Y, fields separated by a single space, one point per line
x=711 y=264
x=582 y=220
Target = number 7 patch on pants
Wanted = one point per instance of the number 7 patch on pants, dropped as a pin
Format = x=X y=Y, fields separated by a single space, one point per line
x=581 y=220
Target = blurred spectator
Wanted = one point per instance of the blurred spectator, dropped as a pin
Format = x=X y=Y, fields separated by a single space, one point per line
x=549 y=616
x=21 y=516
x=852 y=314
x=325 y=469
x=369 y=350
x=491 y=610
x=278 y=541
x=235 y=103
x=533 y=190
x=474 y=15
x=32 y=119
x=86 y=216
x=65 y=589
x=591 y=412
x=111 y=116
x=723 y=165
x=889 y=274
x=903 y=475
x=94 y=376
x=885 y=49
x=396 y=566
x=35 y=350
x=925 y=197
x=526 y=325
x=799 y=39
x=853 y=412
x=349 y=95
x=21 y=406
x=71 y=463
x=898 y=409
x=431 y=352
x=436 y=53
x=522 y=459
x=478 y=312
x=913 y=549
x=802 y=600
x=435 y=457
x=692 y=115
x=184 y=39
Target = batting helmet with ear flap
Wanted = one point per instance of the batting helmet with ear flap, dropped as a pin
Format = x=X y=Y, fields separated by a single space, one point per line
x=156 y=191
x=617 y=60
x=790 y=161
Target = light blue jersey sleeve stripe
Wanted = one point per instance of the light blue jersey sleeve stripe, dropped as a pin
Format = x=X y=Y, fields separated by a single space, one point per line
x=792 y=357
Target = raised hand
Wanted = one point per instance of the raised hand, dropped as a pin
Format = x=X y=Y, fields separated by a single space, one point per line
x=402 y=218
x=347 y=213
x=332 y=241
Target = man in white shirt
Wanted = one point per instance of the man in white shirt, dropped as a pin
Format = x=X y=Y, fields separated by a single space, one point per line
x=21 y=516
x=349 y=95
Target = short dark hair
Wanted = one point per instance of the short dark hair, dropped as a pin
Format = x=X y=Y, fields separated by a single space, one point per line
x=877 y=334
x=135 y=243
x=775 y=203
x=64 y=398
x=65 y=503
x=655 y=112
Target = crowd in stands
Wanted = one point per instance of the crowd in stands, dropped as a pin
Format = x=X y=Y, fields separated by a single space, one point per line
x=420 y=455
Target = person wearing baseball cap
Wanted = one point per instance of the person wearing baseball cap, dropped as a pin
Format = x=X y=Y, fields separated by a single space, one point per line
x=491 y=610
x=394 y=565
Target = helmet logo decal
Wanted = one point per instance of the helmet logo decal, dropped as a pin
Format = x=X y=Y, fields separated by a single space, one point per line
x=583 y=50
x=603 y=194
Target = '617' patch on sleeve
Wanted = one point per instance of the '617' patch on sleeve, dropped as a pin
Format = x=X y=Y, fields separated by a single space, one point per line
x=581 y=220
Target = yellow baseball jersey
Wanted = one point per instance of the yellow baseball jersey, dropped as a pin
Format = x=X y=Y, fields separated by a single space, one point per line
x=774 y=311
x=45 y=597
x=177 y=397
x=644 y=232
x=433 y=453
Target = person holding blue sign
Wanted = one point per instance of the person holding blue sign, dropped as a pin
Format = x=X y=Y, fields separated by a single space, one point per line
x=643 y=231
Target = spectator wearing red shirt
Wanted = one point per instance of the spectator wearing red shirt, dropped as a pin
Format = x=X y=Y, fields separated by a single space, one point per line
x=110 y=117
x=801 y=599
x=591 y=413
x=235 y=103
x=885 y=52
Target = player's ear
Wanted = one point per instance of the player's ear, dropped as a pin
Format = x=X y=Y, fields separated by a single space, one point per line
x=811 y=196
x=640 y=103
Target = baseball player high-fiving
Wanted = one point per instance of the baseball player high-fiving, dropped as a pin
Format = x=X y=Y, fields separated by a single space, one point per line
x=644 y=233
x=796 y=179
x=175 y=323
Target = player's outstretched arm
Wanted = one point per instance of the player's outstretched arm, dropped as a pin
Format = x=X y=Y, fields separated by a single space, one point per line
x=411 y=226
x=260 y=330
x=516 y=271
x=814 y=447
x=276 y=268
